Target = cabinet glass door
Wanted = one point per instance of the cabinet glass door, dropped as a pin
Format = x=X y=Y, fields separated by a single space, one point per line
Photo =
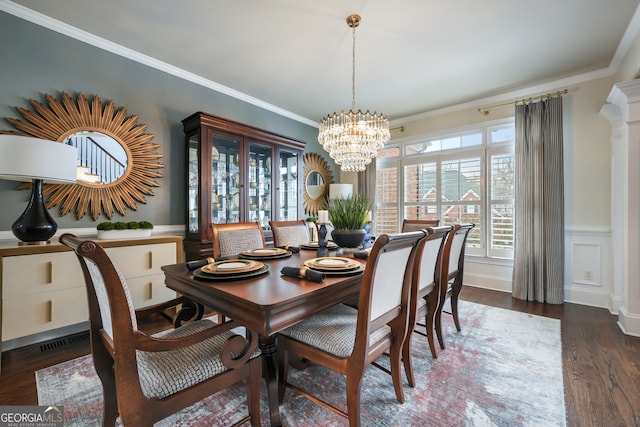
x=193 y=185
x=225 y=180
x=259 y=182
x=288 y=186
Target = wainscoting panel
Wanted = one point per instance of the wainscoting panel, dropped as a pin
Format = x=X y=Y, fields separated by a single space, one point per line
x=588 y=277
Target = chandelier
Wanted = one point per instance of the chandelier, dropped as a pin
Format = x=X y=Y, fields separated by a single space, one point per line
x=352 y=139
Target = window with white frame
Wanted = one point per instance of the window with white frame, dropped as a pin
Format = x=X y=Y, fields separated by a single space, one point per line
x=465 y=175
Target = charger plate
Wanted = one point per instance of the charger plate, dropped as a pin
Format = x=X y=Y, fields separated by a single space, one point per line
x=265 y=253
x=314 y=246
x=199 y=274
x=231 y=266
x=336 y=273
x=332 y=264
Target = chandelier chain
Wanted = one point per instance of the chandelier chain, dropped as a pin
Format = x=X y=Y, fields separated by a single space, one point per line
x=353 y=67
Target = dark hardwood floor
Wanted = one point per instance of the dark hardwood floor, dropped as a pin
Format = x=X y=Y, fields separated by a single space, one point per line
x=601 y=365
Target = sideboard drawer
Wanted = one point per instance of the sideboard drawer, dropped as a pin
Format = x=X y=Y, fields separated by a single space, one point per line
x=31 y=314
x=32 y=274
x=149 y=290
x=143 y=260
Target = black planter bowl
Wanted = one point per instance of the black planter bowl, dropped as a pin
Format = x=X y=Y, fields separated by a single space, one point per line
x=348 y=238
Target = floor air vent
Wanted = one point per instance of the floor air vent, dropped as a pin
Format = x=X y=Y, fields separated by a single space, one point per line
x=62 y=342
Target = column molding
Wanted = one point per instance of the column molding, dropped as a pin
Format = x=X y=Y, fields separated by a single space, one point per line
x=623 y=112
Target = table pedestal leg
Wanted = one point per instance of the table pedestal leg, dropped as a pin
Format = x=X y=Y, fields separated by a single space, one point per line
x=270 y=364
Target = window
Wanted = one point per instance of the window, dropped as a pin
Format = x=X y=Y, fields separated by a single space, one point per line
x=457 y=177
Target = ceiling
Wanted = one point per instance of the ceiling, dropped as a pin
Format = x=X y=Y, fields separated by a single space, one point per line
x=412 y=56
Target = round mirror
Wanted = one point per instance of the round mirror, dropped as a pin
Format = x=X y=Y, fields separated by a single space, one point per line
x=119 y=158
x=314 y=185
x=318 y=176
x=101 y=158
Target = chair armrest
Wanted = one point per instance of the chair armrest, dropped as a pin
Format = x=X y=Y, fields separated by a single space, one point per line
x=235 y=352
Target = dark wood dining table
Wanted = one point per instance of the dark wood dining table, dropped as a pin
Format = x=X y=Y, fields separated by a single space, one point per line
x=267 y=304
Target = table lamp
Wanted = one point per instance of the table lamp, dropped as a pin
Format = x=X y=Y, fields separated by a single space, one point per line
x=24 y=158
x=340 y=191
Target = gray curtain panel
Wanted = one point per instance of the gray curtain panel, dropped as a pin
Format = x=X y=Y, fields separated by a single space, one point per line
x=538 y=273
x=367 y=184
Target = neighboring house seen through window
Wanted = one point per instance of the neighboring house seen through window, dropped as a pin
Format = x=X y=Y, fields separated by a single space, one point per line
x=457 y=177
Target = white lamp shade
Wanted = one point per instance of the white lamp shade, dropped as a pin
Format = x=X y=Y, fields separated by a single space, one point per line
x=24 y=158
x=340 y=191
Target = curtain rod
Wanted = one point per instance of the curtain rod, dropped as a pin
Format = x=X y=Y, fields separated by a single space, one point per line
x=485 y=110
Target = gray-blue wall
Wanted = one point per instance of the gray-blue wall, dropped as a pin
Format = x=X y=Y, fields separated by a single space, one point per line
x=35 y=61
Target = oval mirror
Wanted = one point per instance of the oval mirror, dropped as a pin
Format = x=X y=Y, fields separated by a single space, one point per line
x=120 y=161
x=318 y=176
x=314 y=185
x=101 y=158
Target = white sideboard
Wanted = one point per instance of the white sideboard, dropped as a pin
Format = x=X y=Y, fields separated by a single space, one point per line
x=43 y=289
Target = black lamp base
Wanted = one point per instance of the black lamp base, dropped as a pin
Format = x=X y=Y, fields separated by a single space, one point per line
x=35 y=226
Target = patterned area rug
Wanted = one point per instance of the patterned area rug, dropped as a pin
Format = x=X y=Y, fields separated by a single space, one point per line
x=503 y=369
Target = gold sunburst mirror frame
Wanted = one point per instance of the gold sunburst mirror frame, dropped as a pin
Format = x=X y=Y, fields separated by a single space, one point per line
x=317 y=177
x=59 y=120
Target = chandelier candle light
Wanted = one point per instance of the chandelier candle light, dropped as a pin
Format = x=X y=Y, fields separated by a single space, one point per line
x=353 y=139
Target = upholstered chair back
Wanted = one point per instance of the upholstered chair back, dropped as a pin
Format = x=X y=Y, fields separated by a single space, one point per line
x=430 y=258
x=456 y=257
x=233 y=238
x=386 y=285
x=292 y=233
x=102 y=297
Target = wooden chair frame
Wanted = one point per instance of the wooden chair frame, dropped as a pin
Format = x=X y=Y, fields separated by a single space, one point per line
x=364 y=351
x=114 y=356
x=426 y=286
x=452 y=275
x=418 y=224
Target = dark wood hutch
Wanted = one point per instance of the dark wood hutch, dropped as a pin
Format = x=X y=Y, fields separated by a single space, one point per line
x=237 y=173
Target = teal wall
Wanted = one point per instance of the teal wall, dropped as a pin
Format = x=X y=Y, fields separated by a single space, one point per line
x=35 y=61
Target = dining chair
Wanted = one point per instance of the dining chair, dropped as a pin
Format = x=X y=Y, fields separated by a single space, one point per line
x=347 y=340
x=452 y=276
x=233 y=238
x=425 y=292
x=292 y=233
x=146 y=378
x=418 y=224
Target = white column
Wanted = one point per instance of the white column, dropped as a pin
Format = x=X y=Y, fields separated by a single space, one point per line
x=625 y=119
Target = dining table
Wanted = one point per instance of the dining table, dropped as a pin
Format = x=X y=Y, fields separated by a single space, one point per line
x=269 y=302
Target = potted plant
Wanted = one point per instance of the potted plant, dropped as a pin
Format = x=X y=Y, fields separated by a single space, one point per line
x=348 y=217
x=124 y=230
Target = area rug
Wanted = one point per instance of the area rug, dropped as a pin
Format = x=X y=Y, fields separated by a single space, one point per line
x=503 y=369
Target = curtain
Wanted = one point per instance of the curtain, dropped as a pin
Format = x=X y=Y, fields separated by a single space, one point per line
x=367 y=182
x=538 y=273
x=367 y=185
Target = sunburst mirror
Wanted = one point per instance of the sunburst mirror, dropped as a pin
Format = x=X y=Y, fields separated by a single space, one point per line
x=317 y=177
x=117 y=164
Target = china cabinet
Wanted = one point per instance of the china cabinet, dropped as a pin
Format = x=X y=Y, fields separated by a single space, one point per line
x=237 y=173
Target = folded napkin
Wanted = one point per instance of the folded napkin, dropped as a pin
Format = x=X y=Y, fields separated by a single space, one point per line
x=292 y=249
x=361 y=254
x=304 y=272
x=192 y=265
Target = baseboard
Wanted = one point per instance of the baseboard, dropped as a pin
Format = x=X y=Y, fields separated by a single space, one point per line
x=629 y=323
x=587 y=297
